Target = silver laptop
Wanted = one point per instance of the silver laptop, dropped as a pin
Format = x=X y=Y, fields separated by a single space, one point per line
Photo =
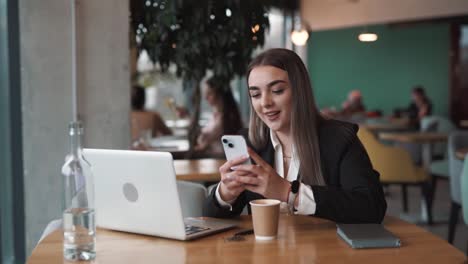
x=136 y=191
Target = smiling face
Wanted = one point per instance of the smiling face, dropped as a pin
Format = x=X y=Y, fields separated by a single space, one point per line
x=271 y=97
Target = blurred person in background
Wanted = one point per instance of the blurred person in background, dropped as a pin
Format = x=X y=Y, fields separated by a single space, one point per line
x=352 y=109
x=419 y=108
x=353 y=104
x=143 y=120
x=225 y=118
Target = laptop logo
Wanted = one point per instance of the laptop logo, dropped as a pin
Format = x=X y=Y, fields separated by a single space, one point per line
x=130 y=192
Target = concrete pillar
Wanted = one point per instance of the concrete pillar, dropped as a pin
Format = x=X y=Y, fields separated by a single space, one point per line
x=104 y=75
x=103 y=83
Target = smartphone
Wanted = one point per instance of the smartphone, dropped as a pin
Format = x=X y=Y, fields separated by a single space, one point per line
x=235 y=146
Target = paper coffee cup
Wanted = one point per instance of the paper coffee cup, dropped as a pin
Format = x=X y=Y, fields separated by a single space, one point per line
x=265 y=215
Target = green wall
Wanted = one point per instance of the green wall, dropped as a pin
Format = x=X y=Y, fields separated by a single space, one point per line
x=385 y=70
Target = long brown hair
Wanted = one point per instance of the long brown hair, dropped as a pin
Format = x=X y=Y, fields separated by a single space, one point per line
x=305 y=117
x=232 y=121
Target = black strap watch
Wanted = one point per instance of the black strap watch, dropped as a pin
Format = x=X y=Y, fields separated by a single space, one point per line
x=292 y=195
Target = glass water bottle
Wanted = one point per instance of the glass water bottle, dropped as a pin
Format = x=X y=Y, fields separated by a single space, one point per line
x=79 y=229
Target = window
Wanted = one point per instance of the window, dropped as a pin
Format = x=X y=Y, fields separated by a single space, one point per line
x=12 y=239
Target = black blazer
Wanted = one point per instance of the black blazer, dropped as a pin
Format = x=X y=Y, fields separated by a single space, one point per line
x=352 y=194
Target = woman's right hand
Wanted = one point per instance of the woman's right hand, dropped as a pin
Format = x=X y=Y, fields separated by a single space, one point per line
x=230 y=189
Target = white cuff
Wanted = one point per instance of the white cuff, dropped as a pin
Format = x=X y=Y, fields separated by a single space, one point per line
x=224 y=204
x=306 y=204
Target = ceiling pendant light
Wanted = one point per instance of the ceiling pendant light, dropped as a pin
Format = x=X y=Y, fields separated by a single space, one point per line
x=299 y=33
x=299 y=37
x=368 y=37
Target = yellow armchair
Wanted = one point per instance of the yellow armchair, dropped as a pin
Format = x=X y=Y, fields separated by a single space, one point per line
x=396 y=166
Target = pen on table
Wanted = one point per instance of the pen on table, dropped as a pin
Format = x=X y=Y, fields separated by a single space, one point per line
x=244 y=232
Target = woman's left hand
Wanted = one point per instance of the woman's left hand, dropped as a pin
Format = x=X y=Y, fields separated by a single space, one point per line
x=263 y=179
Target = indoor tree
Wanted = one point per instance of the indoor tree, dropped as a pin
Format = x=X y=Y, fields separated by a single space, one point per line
x=197 y=36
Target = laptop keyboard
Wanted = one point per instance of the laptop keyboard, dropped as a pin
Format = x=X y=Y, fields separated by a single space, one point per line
x=189 y=229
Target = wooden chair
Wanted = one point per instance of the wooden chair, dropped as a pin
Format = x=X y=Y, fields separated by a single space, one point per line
x=396 y=166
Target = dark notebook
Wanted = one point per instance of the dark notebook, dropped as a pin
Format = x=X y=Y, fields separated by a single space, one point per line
x=367 y=236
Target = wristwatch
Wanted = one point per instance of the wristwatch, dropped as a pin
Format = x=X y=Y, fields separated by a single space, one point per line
x=292 y=195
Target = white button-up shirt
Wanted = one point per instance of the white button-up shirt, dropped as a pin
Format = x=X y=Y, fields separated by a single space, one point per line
x=306 y=203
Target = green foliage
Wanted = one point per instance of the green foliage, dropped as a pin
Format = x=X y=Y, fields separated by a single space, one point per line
x=200 y=35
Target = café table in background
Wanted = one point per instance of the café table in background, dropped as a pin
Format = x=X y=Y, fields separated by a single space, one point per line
x=385 y=124
x=201 y=170
x=178 y=146
x=178 y=126
x=426 y=139
x=181 y=126
x=301 y=239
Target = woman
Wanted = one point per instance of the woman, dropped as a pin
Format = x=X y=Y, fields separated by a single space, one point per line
x=419 y=108
x=318 y=166
x=224 y=120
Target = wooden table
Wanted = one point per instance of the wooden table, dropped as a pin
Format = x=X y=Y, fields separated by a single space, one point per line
x=198 y=170
x=461 y=153
x=173 y=144
x=415 y=137
x=301 y=239
x=383 y=126
x=386 y=124
x=424 y=138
